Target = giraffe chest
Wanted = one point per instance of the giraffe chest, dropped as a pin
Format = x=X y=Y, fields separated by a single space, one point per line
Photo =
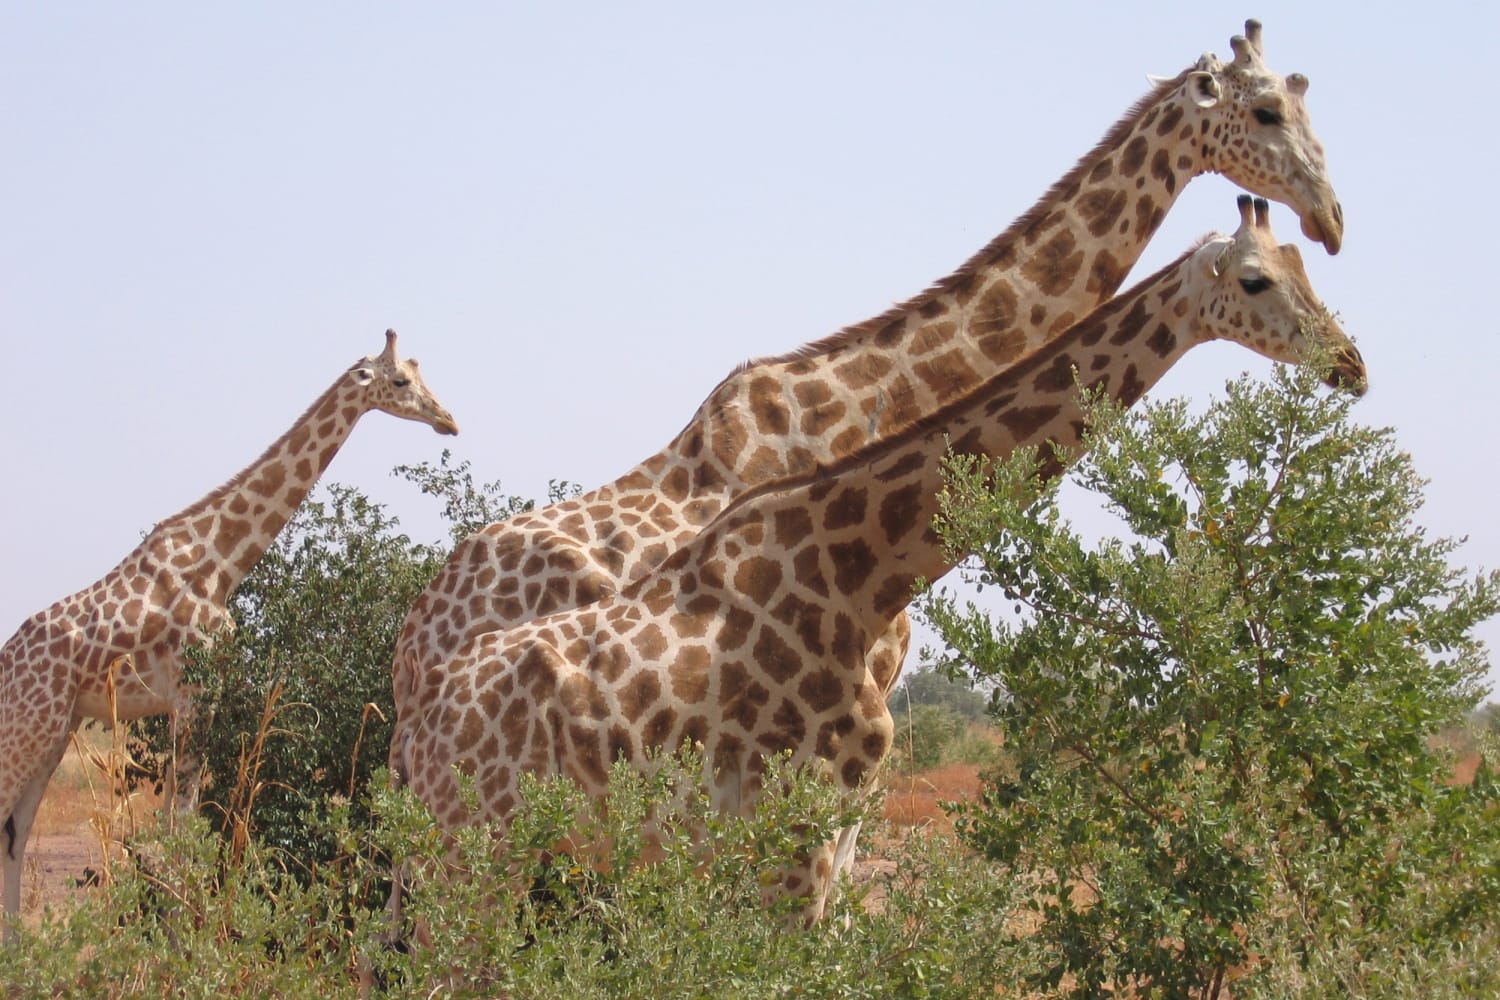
x=130 y=661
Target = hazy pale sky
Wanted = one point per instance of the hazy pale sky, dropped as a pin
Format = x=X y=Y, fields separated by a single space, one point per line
x=580 y=217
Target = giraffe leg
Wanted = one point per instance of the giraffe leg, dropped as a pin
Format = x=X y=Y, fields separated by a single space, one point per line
x=184 y=777
x=884 y=661
x=18 y=827
x=888 y=654
x=843 y=854
x=809 y=881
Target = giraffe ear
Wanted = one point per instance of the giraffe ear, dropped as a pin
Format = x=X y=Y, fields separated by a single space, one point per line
x=1221 y=262
x=1204 y=88
x=1215 y=254
x=362 y=376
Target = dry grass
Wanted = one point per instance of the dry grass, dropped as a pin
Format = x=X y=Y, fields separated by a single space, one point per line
x=80 y=823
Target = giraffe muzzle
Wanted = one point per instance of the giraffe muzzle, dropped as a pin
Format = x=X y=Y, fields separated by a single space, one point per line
x=1325 y=226
x=1347 y=371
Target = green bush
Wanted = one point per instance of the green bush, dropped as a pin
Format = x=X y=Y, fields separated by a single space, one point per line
x=1223 y=725
x=939 y=719
x=188 y=923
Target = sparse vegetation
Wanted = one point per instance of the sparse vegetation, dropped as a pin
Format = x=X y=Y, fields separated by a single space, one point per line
x=939 y=719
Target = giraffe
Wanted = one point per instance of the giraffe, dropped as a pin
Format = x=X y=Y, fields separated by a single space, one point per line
x=750 y=639
x=113 y=651
x=785 y=415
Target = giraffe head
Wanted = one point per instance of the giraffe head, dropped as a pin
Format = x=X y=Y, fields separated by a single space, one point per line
x=1257 y=293
x=386 y=382
x=1252 y=126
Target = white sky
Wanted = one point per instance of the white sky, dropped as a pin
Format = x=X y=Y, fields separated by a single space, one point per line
x=580 y=217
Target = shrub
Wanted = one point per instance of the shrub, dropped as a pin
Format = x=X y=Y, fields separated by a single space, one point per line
x=1222 y=725
x=190 y=923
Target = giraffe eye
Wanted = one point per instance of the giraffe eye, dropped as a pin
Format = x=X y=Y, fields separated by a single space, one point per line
x=401 y=383
x=1254 y=286
x=1268 y=116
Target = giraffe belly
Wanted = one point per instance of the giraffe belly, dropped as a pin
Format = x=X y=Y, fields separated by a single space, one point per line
x=132 y=688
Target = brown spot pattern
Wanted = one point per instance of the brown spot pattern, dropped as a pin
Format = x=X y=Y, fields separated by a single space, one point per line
x=1101 y=208
x=900 y=510
x=1024 y=421
x=853 y=561
x=1054 y=265
x=846 y=508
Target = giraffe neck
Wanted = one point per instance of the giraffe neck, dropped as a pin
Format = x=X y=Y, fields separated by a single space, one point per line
x=230 y=529
x=861 y=530
x=1067 y=254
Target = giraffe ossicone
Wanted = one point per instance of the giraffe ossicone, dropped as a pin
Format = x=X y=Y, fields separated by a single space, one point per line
x=113 y=650
x=751 y=638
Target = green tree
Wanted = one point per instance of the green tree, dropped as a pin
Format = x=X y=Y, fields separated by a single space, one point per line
x=934 y=713
x=938 y=689
x=1221 y=726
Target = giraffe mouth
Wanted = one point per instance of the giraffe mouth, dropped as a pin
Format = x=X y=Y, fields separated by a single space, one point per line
x=1347 y=372
x=1325 y=227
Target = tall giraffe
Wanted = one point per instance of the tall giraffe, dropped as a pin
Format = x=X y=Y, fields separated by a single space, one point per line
x=751 y=638
x=785 y=415
x=113 y=651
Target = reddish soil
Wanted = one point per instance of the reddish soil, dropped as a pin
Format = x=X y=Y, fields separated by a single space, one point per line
x=914 y=800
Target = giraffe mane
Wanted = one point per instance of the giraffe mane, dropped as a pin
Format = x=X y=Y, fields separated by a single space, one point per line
x=977 y=262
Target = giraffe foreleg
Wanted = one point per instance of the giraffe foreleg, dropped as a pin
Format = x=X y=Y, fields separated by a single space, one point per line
x=884 y=660
x=18 y=826
x=888 y=653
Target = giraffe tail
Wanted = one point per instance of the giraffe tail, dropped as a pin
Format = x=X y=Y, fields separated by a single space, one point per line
x=10 y=837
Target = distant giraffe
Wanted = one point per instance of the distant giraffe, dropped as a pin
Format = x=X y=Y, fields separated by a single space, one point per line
x=751 y=638
x=786 y=415
x=114 y=649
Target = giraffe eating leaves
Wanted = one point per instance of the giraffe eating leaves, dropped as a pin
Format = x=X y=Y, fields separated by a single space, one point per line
x=787 y=415
x=113 y=651
x=751 y=639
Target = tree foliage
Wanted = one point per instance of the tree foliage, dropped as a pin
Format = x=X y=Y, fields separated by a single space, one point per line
x=1222 y=723
x=936 y=715
x=934 y=688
